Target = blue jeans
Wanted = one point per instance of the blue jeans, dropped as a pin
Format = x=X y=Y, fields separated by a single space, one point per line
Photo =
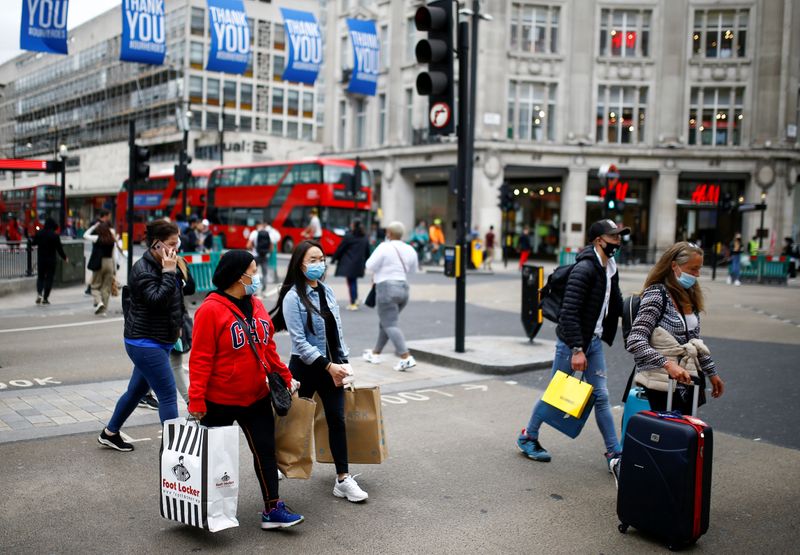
x=596 y=376
x=734 y=269
x=151 y=370
x=352 y=286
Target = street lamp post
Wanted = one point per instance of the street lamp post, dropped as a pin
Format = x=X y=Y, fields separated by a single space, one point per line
x=62 y=157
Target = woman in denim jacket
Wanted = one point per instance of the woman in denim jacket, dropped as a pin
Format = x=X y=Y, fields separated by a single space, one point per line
x=307 y=308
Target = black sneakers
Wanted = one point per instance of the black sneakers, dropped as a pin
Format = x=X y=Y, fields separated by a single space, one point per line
x=114 y=441
x=148 y=402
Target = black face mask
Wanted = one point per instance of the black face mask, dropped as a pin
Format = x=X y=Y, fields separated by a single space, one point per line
x=610 y=249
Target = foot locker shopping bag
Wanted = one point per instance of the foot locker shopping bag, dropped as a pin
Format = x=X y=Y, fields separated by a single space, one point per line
x=200 y=474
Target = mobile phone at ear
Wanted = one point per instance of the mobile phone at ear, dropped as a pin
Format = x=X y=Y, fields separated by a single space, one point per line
x=159 y=246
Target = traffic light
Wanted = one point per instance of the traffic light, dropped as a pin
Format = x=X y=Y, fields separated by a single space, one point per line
x=141 y=168
x=610 y=199
x=505 y=197
x=437 y=51
x=182 y=171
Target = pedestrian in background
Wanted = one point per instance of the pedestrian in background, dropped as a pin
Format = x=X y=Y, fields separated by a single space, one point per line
x=153 y=321
x=590 y=311
x=665 y=338
x=48 y=246
x=313 y=230
x=752 y=247
x=350 y=257
x=735 y=264
x=524 y=245
x=489 y=253
x=790 y=251
x=227 y=382
x=102 y=260
x=307 y=308
x=259 y=243
x=390 y=264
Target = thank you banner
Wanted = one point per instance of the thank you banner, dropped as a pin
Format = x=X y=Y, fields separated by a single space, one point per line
x=44 y=26
x=143 y=37
x=366 y=56
x=230 y=36
x=305 y=46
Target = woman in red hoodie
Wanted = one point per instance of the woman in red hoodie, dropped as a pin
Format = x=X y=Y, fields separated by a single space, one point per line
x=228 y=383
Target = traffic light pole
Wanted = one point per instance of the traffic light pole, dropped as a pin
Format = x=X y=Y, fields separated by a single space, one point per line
x=131 y=187
x=464 y=179
x=184 y=156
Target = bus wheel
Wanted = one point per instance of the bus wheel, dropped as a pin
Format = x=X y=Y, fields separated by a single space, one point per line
x=288 y=246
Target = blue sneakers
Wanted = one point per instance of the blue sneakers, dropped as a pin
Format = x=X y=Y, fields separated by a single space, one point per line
x=279 y=517
x=531 y=448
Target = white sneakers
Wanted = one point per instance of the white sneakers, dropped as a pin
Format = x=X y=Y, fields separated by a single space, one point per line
x=405 y=364
x=402 y=366
x=348 y=488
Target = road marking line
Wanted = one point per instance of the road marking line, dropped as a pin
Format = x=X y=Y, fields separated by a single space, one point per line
x=72 y=325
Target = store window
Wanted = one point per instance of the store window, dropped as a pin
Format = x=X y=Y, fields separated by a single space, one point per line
x=537 y=205
x=720 y=33
x=195 y=89
x=531 y=111
x=633 y=209
x=715 y=116
x=621 y=114
x=198 y=21
x=698 y=219
x=625 y=33
x=534 y=28
x=361 y=122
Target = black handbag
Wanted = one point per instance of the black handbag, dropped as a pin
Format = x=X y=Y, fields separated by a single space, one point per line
x=279 y=392
x=95 y=259
x=370 y=300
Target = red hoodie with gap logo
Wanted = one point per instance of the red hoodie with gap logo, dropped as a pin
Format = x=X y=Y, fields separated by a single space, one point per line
x=222 y=366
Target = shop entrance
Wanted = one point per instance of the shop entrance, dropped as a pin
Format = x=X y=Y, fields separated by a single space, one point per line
x=634 y=213
x=698 y=219
x=435 y=200
x=538 y=203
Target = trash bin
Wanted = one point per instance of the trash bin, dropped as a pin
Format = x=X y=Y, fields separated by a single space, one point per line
x=73 y=271
x=532 y=282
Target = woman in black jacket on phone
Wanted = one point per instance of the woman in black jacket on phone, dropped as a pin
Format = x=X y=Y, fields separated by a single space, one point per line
x=153 y=311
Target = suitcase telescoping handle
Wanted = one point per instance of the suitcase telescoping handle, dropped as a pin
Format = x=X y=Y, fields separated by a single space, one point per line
x=695 y=395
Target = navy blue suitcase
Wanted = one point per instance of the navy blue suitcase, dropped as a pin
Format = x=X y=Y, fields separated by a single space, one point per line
x=665 y=476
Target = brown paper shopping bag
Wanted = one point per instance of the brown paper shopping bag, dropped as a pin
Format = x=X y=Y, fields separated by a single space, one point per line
x=366 y=438
x=293 y=434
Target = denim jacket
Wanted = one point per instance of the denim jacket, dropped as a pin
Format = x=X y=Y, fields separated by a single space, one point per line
x=307 y=345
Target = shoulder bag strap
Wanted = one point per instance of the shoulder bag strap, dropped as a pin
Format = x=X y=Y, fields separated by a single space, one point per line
x=246 y=329
x=401 y=259
x=665 y=300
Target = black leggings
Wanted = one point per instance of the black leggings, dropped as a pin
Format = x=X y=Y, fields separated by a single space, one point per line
x=44 y=278
x=258 y=425
x=332 y=397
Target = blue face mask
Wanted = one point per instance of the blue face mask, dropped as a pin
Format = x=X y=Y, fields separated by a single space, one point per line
x=253 y=286
x=315 y=271
x=686 y=280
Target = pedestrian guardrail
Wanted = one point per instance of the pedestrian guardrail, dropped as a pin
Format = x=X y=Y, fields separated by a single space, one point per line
x=201 y=267
x=766 y=269
x=17 y=259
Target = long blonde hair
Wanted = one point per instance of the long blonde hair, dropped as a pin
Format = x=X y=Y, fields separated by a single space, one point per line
x=680 y=253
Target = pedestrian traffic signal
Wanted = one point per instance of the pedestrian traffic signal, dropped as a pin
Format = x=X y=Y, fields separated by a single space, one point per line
x=437 y=51
x=141 y=167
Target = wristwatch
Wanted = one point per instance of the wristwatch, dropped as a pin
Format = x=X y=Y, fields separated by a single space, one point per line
x=576 y=350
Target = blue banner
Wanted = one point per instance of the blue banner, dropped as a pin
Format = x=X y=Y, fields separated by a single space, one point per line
x=230 y=37
x=305 y=46
x=366 y=56
x=143 y=37
x=44 y=26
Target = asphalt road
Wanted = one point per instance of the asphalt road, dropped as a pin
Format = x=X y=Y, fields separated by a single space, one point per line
x=454 y=483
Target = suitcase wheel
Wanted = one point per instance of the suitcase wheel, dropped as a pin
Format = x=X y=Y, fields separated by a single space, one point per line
x=623 y=528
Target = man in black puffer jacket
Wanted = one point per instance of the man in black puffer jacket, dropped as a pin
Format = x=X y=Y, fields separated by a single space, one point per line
x=589 y=314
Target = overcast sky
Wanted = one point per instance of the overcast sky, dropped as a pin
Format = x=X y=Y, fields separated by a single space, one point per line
x=79 y=11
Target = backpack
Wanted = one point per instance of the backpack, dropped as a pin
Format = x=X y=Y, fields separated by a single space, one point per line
x=630 y=308
x=263 y=242
x=552 y=294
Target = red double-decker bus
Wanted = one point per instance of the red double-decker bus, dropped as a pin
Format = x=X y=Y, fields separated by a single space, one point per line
x=30 y=206
x=283 y=194
x=160 y=196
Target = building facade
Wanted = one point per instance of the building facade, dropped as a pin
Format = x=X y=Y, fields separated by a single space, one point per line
x=692 y=100
x=85 y=100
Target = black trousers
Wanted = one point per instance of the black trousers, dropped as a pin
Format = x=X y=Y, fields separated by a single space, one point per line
x=258 y=425
x=45 y=272
x=332 y=397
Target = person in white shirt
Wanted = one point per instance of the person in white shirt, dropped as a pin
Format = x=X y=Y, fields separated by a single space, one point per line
x=390 y=264
x=314 y=229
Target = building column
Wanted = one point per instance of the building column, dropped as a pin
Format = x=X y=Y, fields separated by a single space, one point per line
x=573 y=208
x=397 y=199
x=486 y=181
x=664 y=211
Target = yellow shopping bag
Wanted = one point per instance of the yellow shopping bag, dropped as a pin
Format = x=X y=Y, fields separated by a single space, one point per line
x=568 y=394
